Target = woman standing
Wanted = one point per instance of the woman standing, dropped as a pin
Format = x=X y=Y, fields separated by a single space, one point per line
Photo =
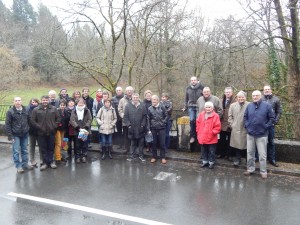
x=208 y=126
x=106 y=118
x=81 y=120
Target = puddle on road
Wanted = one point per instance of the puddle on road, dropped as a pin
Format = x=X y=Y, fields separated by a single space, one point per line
x=166 y=176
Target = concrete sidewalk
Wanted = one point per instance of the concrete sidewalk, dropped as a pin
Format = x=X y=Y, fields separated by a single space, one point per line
x=289 y=169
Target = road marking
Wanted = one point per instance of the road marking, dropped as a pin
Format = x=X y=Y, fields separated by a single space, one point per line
x=87 y=209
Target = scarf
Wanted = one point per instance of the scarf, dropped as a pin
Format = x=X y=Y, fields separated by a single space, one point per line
x=80 y=112
x=98 y=97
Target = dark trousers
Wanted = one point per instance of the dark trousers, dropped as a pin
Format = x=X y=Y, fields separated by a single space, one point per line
x=168 y=128
x=46 y=145
x=208 y=153
x=159 y=135
x=223 y=144
x=126 y=140
x=271 y=145
x=119 y=126
x=70 y=148
x=136 y=147
x=81 y=148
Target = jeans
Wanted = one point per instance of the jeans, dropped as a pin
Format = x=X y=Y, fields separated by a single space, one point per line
x=208 y=153
x=136 y=147
x=192 y=115
x=271 y=145
x=159 y=135
x=261 y=144
x=20 y=143
x=168 y=128
x=106 y=140
x=46 y=145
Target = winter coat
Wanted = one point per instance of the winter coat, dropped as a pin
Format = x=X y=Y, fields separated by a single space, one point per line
x=224 y=118
x=169 y=107
x=85 y=123
x=57 y=101
x=115 y=103
x=17 y=122
x=45 y=120
x=192 y=93
x=214 y=99
x=258 y=118
x=135 y=118
x=89 y=103
x=208 y=129
x=121 y=107
x=32 y=130
x=238 y=137
x=157 y=117
x=147 y=104
x=276 y=105
x=70 y=129
x=106 y=118
x=97 y=106
x=63 y=125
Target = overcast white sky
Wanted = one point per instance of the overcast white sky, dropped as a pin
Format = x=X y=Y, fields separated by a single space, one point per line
x=210 y=8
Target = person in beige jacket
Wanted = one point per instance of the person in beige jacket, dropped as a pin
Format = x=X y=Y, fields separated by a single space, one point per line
x=106 y=119
x=238 y=140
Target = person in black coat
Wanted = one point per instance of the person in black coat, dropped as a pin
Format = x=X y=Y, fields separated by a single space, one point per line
x=135 y=118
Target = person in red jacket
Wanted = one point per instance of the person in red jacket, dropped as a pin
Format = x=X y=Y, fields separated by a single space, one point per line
x=208 y=126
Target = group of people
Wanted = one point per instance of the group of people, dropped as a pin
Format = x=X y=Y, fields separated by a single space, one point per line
x=231 y=125
x=64 y=122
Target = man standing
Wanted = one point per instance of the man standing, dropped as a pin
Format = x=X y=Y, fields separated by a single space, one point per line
x=208 y=97
x=115 y=103
x=17 y=128
x=258 y=118
x=223 y=149
x=135 y=118
x=276 y=105
x=45 y=118
x=121 y=109
x=192 y=93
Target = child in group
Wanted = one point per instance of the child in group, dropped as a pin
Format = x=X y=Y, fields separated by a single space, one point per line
x=208 y=126
x=106 y=118
x=61 y=129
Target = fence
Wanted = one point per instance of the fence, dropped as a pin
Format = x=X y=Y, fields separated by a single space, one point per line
x=287 y=128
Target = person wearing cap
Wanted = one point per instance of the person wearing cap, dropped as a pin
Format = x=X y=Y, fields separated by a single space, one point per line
x=208 y=126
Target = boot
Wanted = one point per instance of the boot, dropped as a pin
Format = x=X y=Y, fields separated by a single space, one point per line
x=103 y=153
x=109 y=152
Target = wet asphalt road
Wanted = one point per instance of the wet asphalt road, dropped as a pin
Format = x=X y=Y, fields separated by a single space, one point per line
x=176 y=193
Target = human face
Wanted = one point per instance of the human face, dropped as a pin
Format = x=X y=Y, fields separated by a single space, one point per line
x=228 y=93
x=194 y=81
x=164 y=98
x=148 y=96
x=17 y=102
x=256 y=96
x=52 y=97
x=62 y=106
x=154 y=101
x=85 y=93
x=135 y=99
x=34 y=103
x=105 y=97
x=208 y=109
x=241 y=98
x=119 y=91
x=80 y=104
x=267 y=90
x=63 y=92
x=45 y=102
x=129 y=92
x=77 y=95
x=107 y=104
x=71 y=104
x=206 y=93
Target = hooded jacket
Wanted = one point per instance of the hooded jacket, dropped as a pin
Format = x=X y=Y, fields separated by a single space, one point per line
x=192 y=93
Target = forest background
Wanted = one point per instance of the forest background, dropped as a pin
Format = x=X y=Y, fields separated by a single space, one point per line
x=151 y=44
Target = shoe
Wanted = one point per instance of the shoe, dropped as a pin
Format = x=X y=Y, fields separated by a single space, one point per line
x=34 y=163
x=153 y=160
x=83 y=160
x=236 y=163
x=78 y=160
x=163 y=161
x=264 y=175
x=273 y=163
x=28 y=167
x=43 y=167
x=192 y=140
x=247 y=173
x=63 y=160
x=142 y=158
x=219 y=156
x=53 y=165
x=20 y=170
x=211 y=166
x=204 y=165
